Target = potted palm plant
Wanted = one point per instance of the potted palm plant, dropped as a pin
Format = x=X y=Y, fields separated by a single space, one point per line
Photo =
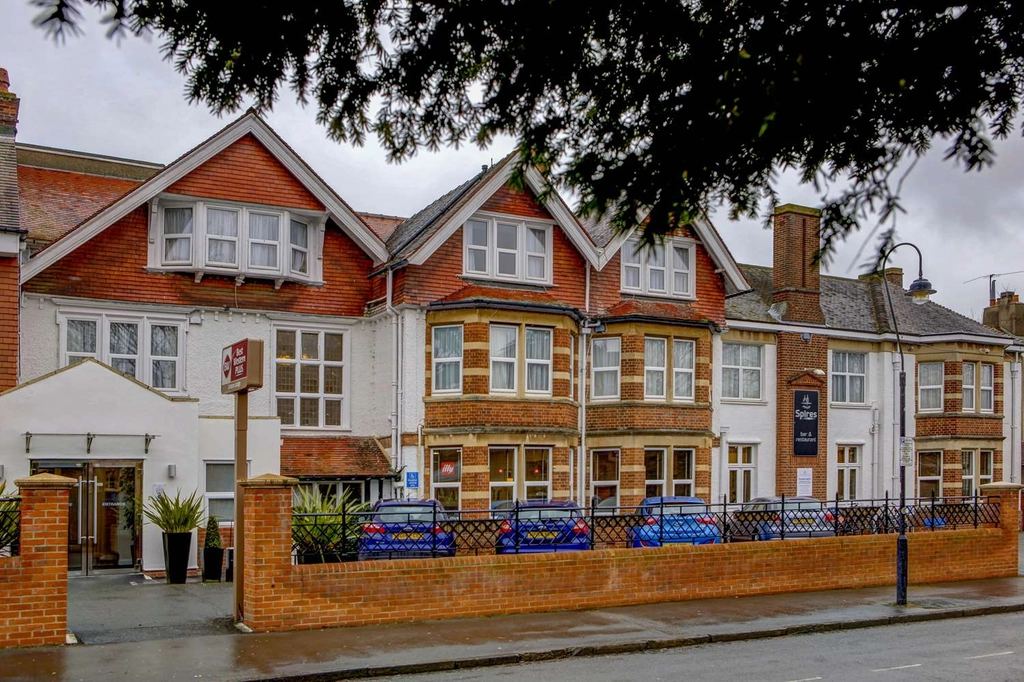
x=213 y=551
x=177 y=518
x=325 y=527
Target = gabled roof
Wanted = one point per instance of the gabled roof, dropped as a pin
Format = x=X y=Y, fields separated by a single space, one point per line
x=89 y=362
x=382 y=225
x=248 y=124
x=605 y=236
x=422 y=234
x=859 y=305
x=333 y=456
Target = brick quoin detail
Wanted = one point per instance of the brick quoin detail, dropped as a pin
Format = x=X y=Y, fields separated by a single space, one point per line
x=795 y=356
x=280 y=596
x=9 y=275
x=34 y=585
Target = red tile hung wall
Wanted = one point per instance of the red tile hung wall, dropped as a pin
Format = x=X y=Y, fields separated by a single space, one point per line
x=9 y=276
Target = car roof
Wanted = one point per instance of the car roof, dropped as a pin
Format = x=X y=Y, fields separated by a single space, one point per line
x=551 y=504
x=408 y=503
x=650 y=501
x=776 y=498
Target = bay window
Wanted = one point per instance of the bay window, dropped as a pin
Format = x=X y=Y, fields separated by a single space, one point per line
x=930 y=384
x=654 y=368
x=538 y=360
x=682 y=369
x=605 y=364
x=507 y=484
x=146 y=348
x=508 y=249
x=676 y=478
x=929 y=474
x=604 y=479
x=664 y=269
x=310 y=378
x=446 y=352
x=503 y=358
x=231 y=238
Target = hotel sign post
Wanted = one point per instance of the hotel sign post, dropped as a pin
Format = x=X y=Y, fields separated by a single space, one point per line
x=241 y=371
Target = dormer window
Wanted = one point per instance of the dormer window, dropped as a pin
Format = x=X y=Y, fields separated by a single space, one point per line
x=507 y=249
x=664 y=269
x=208 y=237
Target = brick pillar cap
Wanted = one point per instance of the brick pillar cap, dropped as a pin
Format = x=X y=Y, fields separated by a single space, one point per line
x=45 y=481
x=796 y=208
x=270 y=481
x=1000 y=487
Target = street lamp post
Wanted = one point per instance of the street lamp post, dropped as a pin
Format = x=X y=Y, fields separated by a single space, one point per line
x=919 y=292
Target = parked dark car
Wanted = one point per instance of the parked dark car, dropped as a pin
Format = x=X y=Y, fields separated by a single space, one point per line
x=542 y=526
x=674 y=520
x=405 y=529
x=772 y=518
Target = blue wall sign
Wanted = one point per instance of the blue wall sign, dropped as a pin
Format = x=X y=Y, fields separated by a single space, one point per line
x=412 y=479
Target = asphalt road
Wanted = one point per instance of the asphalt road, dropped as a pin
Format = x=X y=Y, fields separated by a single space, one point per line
x=989 y=648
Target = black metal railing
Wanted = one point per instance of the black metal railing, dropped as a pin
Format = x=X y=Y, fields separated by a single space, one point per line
x=430 y=531
x=10 y=526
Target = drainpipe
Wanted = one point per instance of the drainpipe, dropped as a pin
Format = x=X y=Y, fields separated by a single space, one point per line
x=896 y=421
x=875 y=429
x=400 y=400
x=394 y=373
x=723 y=463
x=419 y=458
x=1015 y=414
x=581 y=469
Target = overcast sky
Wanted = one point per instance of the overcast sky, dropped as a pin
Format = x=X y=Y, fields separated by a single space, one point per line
x=94 y=95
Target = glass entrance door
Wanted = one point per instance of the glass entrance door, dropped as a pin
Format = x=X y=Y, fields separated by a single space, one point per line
x=104 y=513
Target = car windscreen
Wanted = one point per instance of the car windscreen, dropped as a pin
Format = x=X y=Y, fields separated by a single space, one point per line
x=410 y=514
x=535 y=514
x=676 y=509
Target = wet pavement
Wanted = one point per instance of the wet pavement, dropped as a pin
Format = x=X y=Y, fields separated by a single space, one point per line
x=440 y=645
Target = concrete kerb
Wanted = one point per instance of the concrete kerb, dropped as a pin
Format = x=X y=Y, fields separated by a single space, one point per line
x=638 y=646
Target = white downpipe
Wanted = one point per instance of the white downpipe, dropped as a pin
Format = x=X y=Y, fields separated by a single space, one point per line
x=420 y=460
x=1015 y=415
x=896 y=424
x=723 y=465
x=876 y=427
x=400 y=401
x=394 y=374
x=581 y=468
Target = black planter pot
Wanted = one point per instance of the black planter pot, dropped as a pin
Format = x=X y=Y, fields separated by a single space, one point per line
x=176 y=550
x=213 y=559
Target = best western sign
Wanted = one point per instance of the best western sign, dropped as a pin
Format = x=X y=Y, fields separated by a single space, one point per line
x=241 y=367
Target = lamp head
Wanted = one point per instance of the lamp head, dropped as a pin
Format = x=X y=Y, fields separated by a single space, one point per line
x=920 y=290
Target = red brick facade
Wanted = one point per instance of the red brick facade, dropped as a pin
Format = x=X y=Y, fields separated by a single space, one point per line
x=9 y=326
x=796 y=361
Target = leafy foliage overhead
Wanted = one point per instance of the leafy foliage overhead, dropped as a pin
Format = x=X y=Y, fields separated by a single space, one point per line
x=664 y=106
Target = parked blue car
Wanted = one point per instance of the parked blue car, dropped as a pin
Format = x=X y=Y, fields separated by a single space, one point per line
x=542 y=526
x=674 y=520
x=404 y=529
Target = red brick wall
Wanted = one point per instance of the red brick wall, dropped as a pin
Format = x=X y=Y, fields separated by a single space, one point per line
x=247 y=172
x=279 y=596
x=9 y=275
x=34 y=585
x=112 y=266
x=794 y=356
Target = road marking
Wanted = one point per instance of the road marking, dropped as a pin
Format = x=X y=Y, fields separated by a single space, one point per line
x=898 y=667
x=806 y=679
x=1001 y=653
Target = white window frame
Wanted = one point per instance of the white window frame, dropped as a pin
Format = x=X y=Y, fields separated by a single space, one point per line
x=741 y=369
x=496 y=359
x=667 y=481
x=616 y=369
x=111 y=356
x=659 y=480
x=456 y=485
x=572 y=365
x=683 y=371
x=236 y=240
x=199 y=261
x=746 y=486
x=968 y=389
x=846 y=375
x=523 y=255
x=606 y=483
x=539 y=361
x=144 y=359
x=435 y=361
x=645 y=267
x=508 y=484
x=527 y=483
x=298 y=362
x=987 y=388
x=971 y=468
x=936 y=478
x=922 y=387
x=655 y=369
x=218 y=494
x=848 y=459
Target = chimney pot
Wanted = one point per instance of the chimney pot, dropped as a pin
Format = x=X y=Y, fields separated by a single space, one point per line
x=483 y=167
x=5 y=80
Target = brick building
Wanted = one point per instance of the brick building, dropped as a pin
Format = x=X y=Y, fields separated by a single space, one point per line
x=491 y=347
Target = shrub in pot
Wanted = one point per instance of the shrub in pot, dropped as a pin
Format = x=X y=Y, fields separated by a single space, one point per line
x=177 y=517
x=213 y=550
x=325 y=527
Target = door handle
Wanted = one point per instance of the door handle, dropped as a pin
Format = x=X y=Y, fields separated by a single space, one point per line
x=81 y=483
x=95 y=506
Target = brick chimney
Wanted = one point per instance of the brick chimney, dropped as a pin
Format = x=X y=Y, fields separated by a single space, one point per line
x=795 y=272
x=1006 y=313
x=11 y=236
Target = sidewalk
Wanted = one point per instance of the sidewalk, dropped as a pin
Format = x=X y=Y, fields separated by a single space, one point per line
x=443 y=645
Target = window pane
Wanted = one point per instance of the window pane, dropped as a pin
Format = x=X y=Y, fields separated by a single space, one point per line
x=299 y=261
x=220 y=477
x=332 y=413
x=853 y=484
x=163 y=340
x=931 y=374
x=987 y=375
x=178 y=221
x=839 y=388
x=448 y=497
x=508 y=236
x=447 y=466
x=656 y=256
x=606 y=352
x=537 y=465
x=477 y=232
x=503 y=465
x=856 y=389
x=285 y=345
x=606 y=383
x=631 y=252
x=682 y=464
x=299 y=234
x=332 y=380
x=731 y=353
x=751 y=384
x=124 y=366
x=537 y=377
x=177 y=250
x=538 y=344
x=536 y=240
x=683 y=385
x=606 y=465
x=654 y=352
x=986 y=463
x=286 y=411
x=967 y=462
x=477 y=261
x=930 y=464
x=264 y=227
x=730 y=382
x=657 y=280
x=748 y=454
x=654 y=383
x=536 y=267
x=263 y=255
x=654 y=464
x=223 y=509
x=446 y=376
x=503 y=342
x=507 y=263
x=447 y=342
x=333 y=347
x=81 y=336
x=310 y=346
x=681 y=258
x=682 y=355
x=221 y=223
x=310 y=379
x=839 y=362
x=751 y=356
x=165 y=373
x=124 y=338
x=501 y=496
x=285 y=380
x=503 y=375
x=857 y=363
x=632 y=278
x=968 y=373
x=654 y=490
x=309 y=412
